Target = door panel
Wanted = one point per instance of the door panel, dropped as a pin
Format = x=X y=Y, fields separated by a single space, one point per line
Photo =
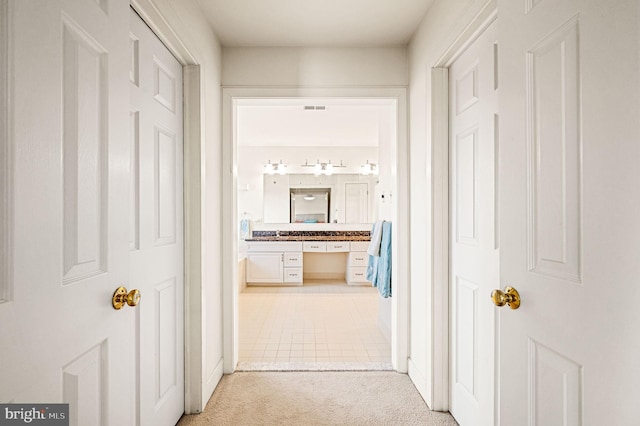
x=356 y=202
x=554 y=191
x=156 y=226
x=61 y=340
x=84 y=153
x=569 y=210
x=474 y=261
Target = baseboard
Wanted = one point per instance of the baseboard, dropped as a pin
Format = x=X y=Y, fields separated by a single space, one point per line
x=420 y=382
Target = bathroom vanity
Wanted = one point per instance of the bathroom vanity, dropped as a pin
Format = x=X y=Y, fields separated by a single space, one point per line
x=275 y=258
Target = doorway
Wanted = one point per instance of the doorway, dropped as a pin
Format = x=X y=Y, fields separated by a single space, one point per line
x=234 y=98
x=297 y=162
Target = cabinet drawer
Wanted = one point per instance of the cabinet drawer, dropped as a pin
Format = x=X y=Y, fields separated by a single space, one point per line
x=359 y=245
x=357 y=275
x=314 y=246
x=292 y=275
x=358 y=258
x=340 y=246
x=293 y=259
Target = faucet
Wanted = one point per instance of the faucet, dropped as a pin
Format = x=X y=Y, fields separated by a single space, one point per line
x=278 y=233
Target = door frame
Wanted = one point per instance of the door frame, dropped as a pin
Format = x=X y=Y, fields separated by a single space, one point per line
x=194 y=398
x=400 y=275
x=440 y=205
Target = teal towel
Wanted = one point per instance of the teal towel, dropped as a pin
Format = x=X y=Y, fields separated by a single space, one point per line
x=379 y=267
x=383 y=276
x=371 y=266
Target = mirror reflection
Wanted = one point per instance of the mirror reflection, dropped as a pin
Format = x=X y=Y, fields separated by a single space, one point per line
x=309 y=205
x=305 y=198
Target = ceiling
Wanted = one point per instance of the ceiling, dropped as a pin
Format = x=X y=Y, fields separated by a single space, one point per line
x=286 y=122
x=328 y=23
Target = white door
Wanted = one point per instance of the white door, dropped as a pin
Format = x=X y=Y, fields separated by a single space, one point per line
x=356 y=203
x=570 y=210
x=474 y=261
x=156 y=225
x=60 y=339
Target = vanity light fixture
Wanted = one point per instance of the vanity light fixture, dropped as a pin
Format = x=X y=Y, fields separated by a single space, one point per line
x=271 y=168
x=322 y=168
x=309 y=197
x=369 y=169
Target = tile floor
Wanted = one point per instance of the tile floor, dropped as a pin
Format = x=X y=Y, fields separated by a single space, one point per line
x=319 y=322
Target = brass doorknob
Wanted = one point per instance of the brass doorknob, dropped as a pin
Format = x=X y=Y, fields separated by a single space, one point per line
x=121 y=298
x=510 y=297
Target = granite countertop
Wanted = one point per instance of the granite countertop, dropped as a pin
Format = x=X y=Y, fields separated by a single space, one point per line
x=310 y=236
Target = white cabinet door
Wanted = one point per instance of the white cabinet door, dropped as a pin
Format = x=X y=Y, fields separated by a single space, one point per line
x=61 y=340
x=474 y=264
x=569 y=212
x=265 y=267
x=156 y=225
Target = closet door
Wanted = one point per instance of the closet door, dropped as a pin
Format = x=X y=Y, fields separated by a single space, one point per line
x=156 y=225
x=67 y=213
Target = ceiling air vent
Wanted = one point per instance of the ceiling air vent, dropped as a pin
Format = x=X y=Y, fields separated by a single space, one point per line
x=321 y=108
x=309 y=107
x=315 y=107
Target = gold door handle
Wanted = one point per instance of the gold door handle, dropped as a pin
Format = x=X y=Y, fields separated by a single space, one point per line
x=510 y=297
x=121 y=298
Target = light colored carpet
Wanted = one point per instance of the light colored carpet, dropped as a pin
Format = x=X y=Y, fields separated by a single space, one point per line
x=317 y=398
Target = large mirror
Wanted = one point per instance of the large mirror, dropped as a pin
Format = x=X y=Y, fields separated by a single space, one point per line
x=306 y=198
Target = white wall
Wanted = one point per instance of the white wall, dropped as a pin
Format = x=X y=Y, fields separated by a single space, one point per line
x=188 y=23
x=314 y=67
x=347 y=70
x=444 y=21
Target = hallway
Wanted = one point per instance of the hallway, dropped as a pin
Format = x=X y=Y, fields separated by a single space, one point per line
x=317 y=398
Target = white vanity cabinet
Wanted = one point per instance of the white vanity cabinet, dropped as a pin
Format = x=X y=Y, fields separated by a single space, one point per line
x=274 y=262
x=357 y=263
